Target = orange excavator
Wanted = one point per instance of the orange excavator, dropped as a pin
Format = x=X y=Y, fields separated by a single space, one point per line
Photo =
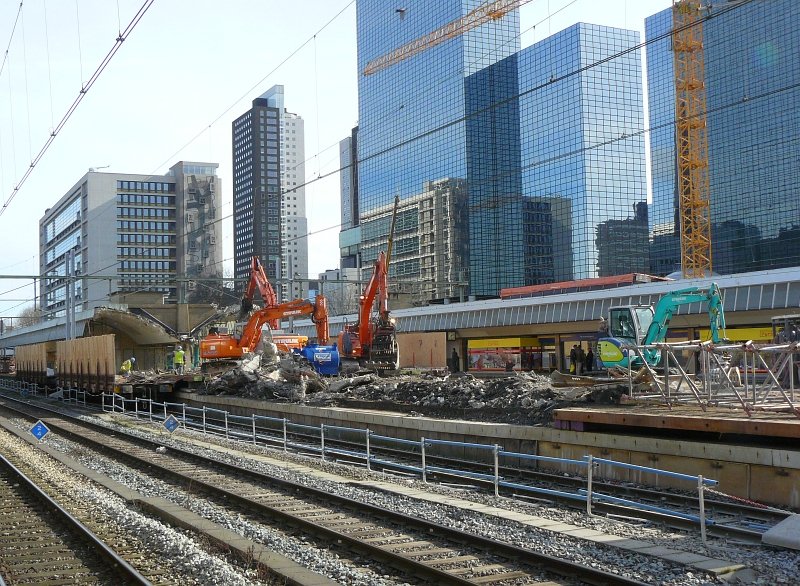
x=228 y=347
x=225 y=349
x=258 y=280
x=372 y=340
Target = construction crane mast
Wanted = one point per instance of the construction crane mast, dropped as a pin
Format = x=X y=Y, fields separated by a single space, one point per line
x=691 y=140
x=483 y=14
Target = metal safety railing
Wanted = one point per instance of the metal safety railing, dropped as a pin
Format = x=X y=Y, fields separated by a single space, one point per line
x=753 y=377
x=26 y=389
x=376 y=450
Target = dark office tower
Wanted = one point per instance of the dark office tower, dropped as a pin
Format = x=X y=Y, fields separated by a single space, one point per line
x=257 y=189
x=752 y=83
x=269 y=203
x=350 y=233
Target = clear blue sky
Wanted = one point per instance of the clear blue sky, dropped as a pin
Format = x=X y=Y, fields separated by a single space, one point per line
x=187 y=70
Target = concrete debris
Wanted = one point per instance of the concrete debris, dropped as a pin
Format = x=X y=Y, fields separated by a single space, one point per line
x=340 y=385
x=520 y=398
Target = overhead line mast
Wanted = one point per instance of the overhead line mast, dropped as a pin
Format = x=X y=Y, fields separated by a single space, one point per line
x=691 y=138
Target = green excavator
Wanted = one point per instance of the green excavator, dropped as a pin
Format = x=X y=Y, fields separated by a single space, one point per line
x=642 y=325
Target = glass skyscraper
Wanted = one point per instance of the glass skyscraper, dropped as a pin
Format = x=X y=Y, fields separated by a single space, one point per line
x=548 y=139
x=412 y=128
x=752 y=77
x=582 y=154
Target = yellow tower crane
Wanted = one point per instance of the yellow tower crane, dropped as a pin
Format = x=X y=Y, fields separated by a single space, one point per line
x=483 y=14
x=691 y=141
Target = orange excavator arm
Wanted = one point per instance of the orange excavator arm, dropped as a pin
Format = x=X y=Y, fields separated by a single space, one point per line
x=320 y=319
x=298 y=307
x=258 y=280
x=225 y=346
x=378 y=286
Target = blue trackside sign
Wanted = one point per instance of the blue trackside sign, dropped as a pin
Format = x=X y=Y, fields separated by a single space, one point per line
x=172 y=423
x=39 y=430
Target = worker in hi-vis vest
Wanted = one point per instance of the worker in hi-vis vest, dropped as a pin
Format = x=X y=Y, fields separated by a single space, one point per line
x=178 y=359
x=127 y=366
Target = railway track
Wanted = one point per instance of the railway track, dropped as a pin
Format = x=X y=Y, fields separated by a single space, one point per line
x=417 y=548
x=42 y=543
x=726 y=518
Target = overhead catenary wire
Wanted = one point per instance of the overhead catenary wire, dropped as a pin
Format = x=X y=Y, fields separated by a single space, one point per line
x=27 y=91
x=567 y=154
x=78 y=30
x=254 y=86
x=78 y=16
x=571 y=153
x=11 y=37
x=529 y=91
x=49 y=67
x=11 y=120
x=492 y=51
x=81 y=94
x=169 y=279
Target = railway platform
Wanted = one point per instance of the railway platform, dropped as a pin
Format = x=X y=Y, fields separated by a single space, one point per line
x=639 y=416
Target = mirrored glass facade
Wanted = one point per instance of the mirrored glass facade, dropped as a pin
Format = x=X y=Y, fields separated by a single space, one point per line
x=548 y=140
x=412 y=128
x=583 y=155
x=753 y=99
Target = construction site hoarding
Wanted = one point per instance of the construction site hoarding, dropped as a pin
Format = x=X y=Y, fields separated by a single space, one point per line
x=86 y=363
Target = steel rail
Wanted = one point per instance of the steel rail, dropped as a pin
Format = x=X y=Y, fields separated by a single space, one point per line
x=125 y=571
x=515 y=554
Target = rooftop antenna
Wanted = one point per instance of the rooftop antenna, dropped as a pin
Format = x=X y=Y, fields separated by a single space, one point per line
x=93 y=169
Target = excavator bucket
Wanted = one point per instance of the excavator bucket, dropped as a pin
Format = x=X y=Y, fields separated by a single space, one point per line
x=384 y=353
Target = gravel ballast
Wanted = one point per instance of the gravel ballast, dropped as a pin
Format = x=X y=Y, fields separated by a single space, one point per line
x=769 y=566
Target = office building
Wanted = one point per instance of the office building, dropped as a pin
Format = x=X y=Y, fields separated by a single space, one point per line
x=582 y=144
x=350 y=233
x=412 y=127
x=620 y=244
x=269 y=204
x=549 y=147
x=429 y=252
x=341 y=287
x=165 y=232
x=752 y=100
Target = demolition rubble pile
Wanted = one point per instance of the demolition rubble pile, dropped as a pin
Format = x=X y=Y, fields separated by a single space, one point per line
x=522 y=398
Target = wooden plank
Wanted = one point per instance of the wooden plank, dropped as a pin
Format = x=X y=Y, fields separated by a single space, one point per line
x=31 y=359
x=86 y=358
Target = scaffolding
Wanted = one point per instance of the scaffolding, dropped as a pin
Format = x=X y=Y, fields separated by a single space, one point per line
x=747 y=376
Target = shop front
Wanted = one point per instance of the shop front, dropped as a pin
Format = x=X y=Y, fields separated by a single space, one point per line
x=511 y=354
